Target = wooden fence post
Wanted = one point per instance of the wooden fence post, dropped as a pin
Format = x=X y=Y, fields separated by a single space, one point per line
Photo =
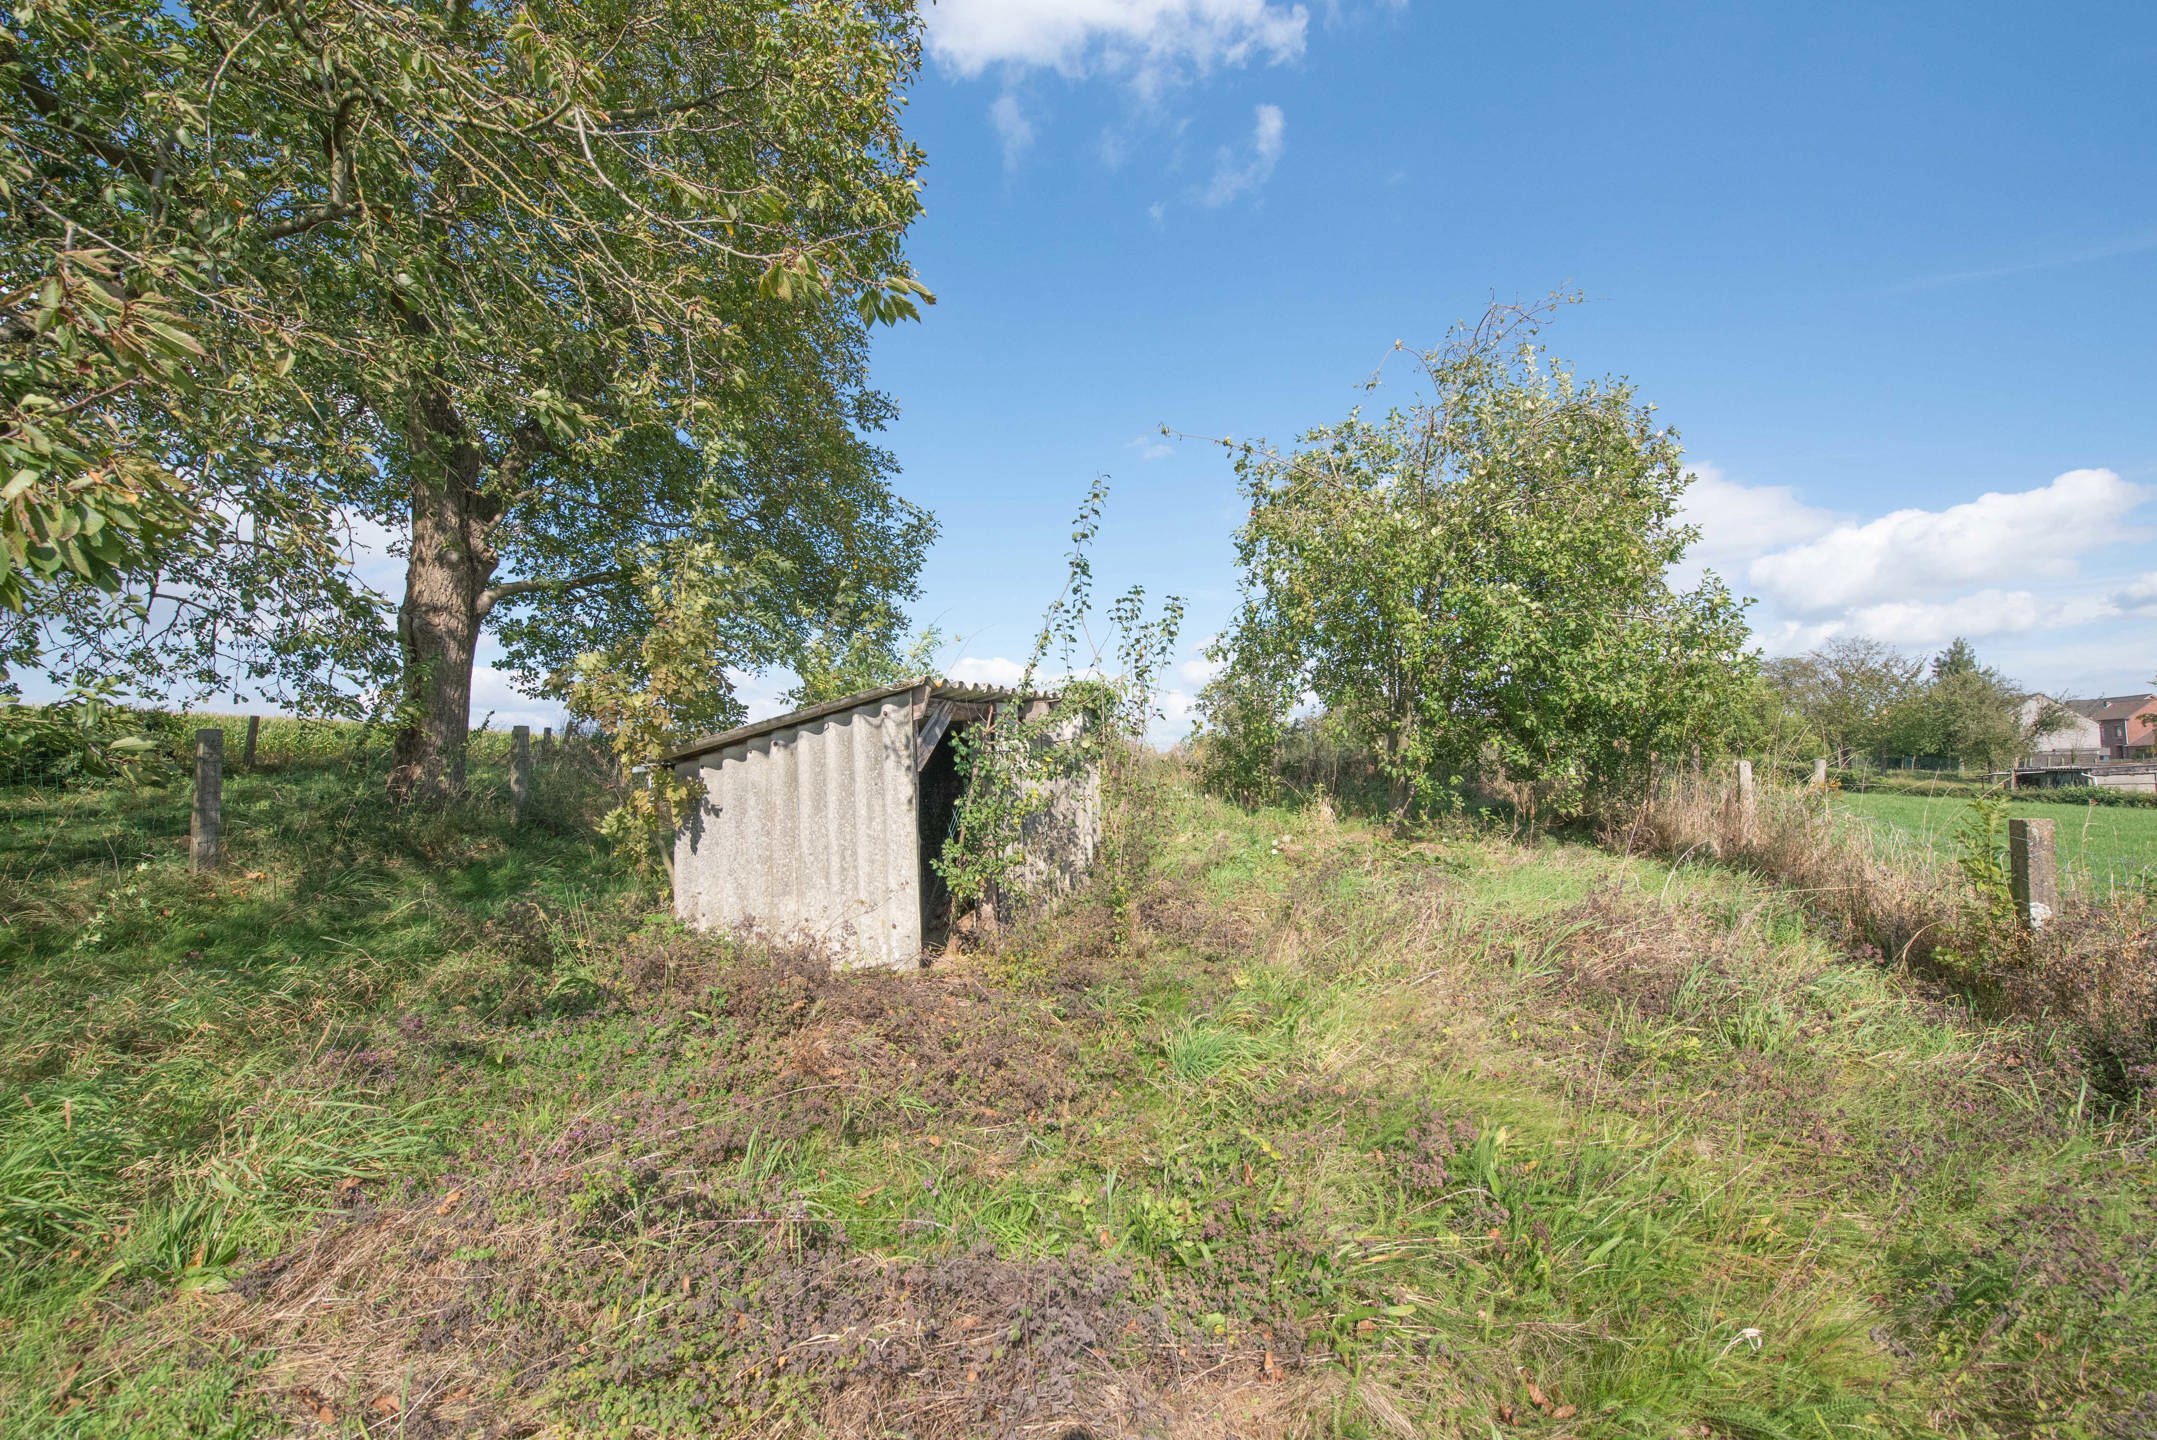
x=2033 y=870
x=520 y=768
x=207 y=829
x=247 y=747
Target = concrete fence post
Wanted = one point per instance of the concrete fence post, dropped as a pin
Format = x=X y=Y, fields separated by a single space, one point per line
x=1745 y=799
x=520 y=767
x=1819 y=773
x=546 y=742
x=206 y=832
x=247 y=747
x=2033 y=870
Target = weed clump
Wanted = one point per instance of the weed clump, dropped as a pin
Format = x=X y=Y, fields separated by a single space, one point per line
x=790 y=1047
x=1619 y=949
x=2091 y=973
x=1433 y=1139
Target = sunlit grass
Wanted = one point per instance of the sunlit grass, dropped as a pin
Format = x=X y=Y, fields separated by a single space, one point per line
x=1433 y=1134
x=2100 y=846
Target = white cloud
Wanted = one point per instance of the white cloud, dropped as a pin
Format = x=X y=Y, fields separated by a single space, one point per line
x=1150 y=42
x=1975 y=616
x=1200 y=670
x=986 y=670
x=1179 y=712
x=1738 y=522
x=2139 y=596
x=1996 y=539
x=498 y=703
x=2020 y=572
x=1988 y=614
x=1012 y=128
x=1233 y=174
x=762 y=695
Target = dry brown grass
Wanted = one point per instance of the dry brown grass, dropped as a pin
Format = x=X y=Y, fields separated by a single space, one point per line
x=2093 y=970
x=1900 y=901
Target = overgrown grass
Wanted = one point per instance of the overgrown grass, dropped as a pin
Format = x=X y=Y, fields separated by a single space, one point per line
x=179 y=1052
x=1353 y=1133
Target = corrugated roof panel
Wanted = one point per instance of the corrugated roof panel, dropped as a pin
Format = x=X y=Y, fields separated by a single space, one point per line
x=936 y=688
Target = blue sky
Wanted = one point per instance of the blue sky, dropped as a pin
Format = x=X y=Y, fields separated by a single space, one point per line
x=1891 y=270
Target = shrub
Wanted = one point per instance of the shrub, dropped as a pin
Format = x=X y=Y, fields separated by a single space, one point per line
x=86 y=736
x=2092 y=795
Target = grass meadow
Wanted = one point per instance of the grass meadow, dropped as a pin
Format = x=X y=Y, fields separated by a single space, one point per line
x=431 y=1125
x=2101 y=847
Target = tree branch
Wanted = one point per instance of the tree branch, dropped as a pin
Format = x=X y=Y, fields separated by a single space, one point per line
x=53 y=109
x=308 y=220
x=509 y=589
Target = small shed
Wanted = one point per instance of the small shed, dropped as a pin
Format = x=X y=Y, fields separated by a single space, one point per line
x=819 y=827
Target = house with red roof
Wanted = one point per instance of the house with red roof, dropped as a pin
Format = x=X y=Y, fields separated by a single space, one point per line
x=2126 y=724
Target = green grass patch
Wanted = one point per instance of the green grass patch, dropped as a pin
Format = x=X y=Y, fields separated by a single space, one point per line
x=2102 y=847
x=435 y=1126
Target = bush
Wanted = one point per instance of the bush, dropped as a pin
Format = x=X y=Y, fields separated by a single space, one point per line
x=2092 y=795
x=83 y=737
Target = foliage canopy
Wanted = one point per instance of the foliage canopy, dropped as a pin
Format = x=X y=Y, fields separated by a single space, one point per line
x=1477 y=584
x=570 y=300
x=1846 y=688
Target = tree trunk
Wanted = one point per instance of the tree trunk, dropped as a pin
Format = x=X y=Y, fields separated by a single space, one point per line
x=444 y=601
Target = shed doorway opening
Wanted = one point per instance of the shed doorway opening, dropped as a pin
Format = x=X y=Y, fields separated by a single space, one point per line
x=937 y=815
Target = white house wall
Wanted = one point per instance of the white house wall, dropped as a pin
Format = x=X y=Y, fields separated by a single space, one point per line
x=808 y=835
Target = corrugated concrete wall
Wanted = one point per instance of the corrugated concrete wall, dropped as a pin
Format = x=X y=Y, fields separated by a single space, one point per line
x=807 y=834
x=1059 y=841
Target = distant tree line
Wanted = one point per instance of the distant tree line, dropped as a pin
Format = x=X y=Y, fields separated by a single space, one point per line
x=1858 y=699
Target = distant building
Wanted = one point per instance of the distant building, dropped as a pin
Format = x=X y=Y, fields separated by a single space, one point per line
x=2075 y=743
x=2126 y=725
x=2110 y=741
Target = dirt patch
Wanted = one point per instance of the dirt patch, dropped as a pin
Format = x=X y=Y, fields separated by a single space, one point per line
x=1202 y=926
x=442 y=1318
x=793 y=1047
x=373 y=1321
x=628 y=1268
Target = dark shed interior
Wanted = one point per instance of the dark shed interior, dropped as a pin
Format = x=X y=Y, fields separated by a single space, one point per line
x=937 y=812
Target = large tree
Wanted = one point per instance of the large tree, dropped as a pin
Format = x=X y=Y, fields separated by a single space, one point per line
x=1847 y=690
x=1480 y=579
x=1970 y=711
x=570 y=299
